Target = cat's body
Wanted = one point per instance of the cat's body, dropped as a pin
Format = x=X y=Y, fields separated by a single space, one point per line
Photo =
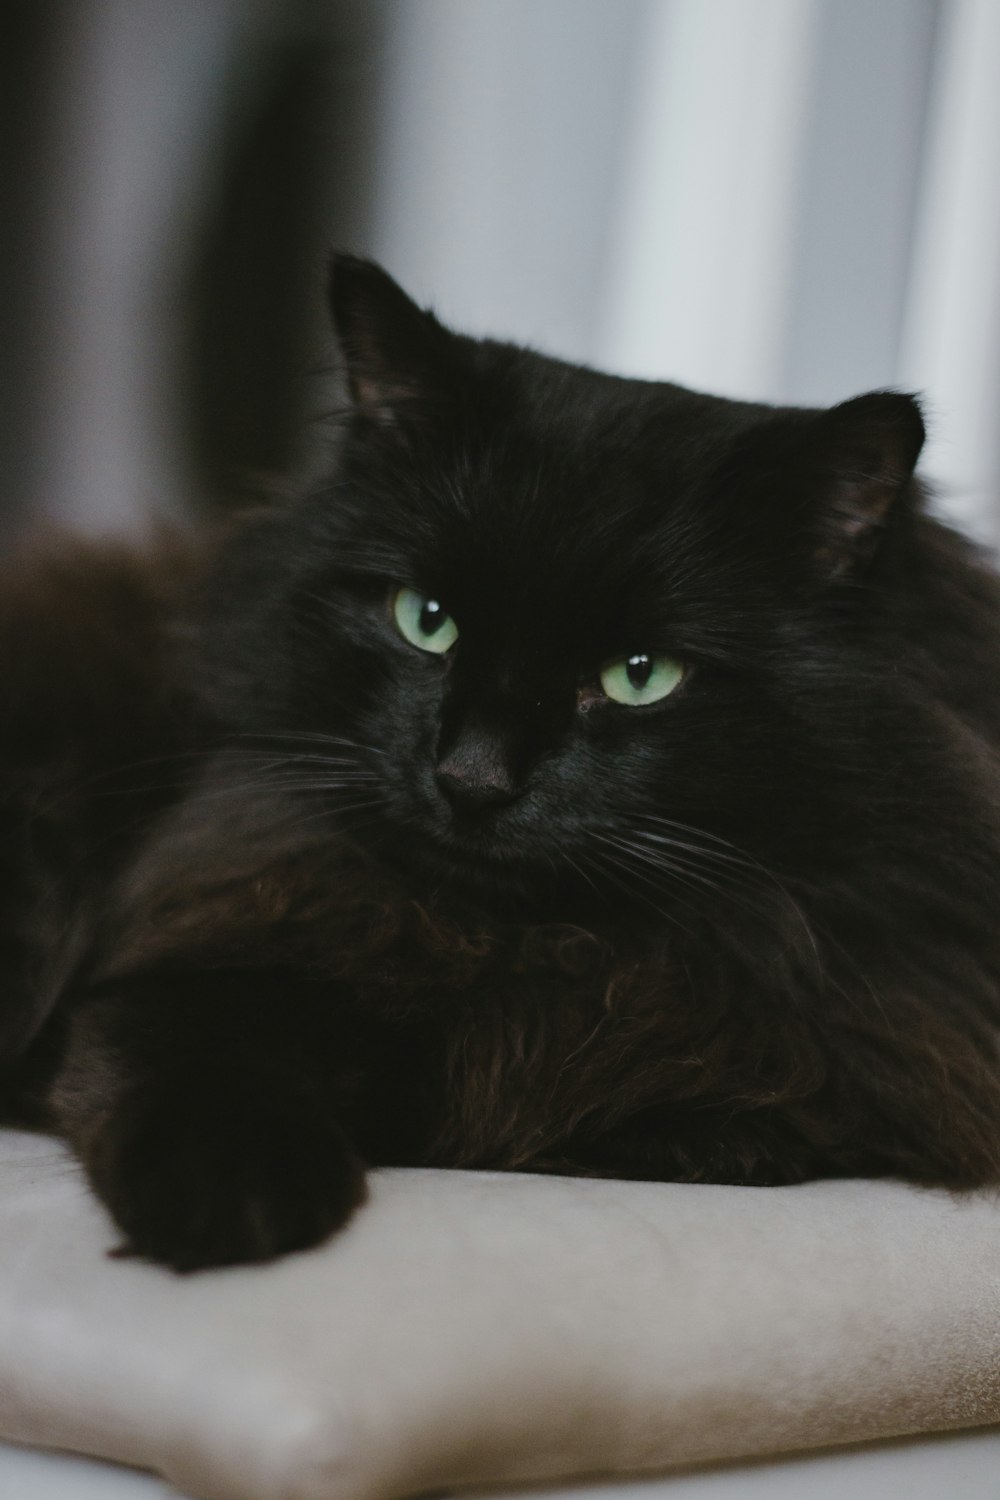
x=594 y=777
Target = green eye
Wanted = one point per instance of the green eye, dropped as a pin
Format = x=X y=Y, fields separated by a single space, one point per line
x=424 y=622
x=640 y=679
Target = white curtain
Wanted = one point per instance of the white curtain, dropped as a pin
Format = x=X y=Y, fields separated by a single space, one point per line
x=789 y=200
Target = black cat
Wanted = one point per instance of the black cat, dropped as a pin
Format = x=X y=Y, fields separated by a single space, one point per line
x=591 y=777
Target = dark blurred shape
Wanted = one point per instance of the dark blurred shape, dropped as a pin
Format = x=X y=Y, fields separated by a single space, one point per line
x=250 y=302
x=290 y=181
x=207 y=157
x=25 y=73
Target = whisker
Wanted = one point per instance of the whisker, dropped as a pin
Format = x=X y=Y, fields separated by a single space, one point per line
x=47 y=801
x=676 y=876
x=316 y=737
x=339 y=812
x=721 y=880
x=578 y=867
x=289 y=783
x=605 y=864
x=672 y=865
x=685 y=870
x=729 y=854
x=741 y=858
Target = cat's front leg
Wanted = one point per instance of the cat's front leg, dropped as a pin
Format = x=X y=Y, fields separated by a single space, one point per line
x=204 y=1109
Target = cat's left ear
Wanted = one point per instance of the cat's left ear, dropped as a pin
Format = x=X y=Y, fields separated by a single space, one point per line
x=396 y=355
x=864 y=452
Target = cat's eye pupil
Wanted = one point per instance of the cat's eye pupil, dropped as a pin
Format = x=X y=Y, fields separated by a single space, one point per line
x=432 y=617
x=638 y=670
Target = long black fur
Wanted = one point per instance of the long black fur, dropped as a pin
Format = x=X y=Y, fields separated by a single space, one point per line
x=283 y=895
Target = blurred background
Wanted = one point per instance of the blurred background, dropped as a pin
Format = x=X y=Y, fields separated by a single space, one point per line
x=788 y=200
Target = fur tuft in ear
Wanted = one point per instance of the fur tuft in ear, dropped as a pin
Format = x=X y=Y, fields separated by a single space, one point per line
x=394 y=352
x=865 y=451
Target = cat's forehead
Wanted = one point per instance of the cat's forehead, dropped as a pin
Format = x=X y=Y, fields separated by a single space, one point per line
x=519 y=546
x=578 y=480
x=564 y=500
x=500 y=517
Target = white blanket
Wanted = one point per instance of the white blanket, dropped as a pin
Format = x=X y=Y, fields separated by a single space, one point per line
x=478 y=1327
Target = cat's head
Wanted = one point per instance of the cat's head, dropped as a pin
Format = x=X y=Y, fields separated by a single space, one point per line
x=574 y=632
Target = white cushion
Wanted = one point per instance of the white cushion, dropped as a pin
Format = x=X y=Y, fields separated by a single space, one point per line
x=488 y=1327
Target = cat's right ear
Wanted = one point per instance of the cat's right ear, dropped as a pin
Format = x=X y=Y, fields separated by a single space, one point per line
x=395 y=354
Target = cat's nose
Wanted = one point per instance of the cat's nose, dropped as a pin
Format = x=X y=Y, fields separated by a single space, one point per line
x=475 y=780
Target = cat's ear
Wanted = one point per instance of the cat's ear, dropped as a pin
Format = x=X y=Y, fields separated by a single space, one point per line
x=395 y=354
x=862 y=454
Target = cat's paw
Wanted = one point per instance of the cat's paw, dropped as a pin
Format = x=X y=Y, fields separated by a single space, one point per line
x=214 y=1182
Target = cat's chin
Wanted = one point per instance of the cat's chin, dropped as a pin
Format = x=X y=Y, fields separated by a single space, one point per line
x=487 y=873
x=483 y=874
x=497 y=883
